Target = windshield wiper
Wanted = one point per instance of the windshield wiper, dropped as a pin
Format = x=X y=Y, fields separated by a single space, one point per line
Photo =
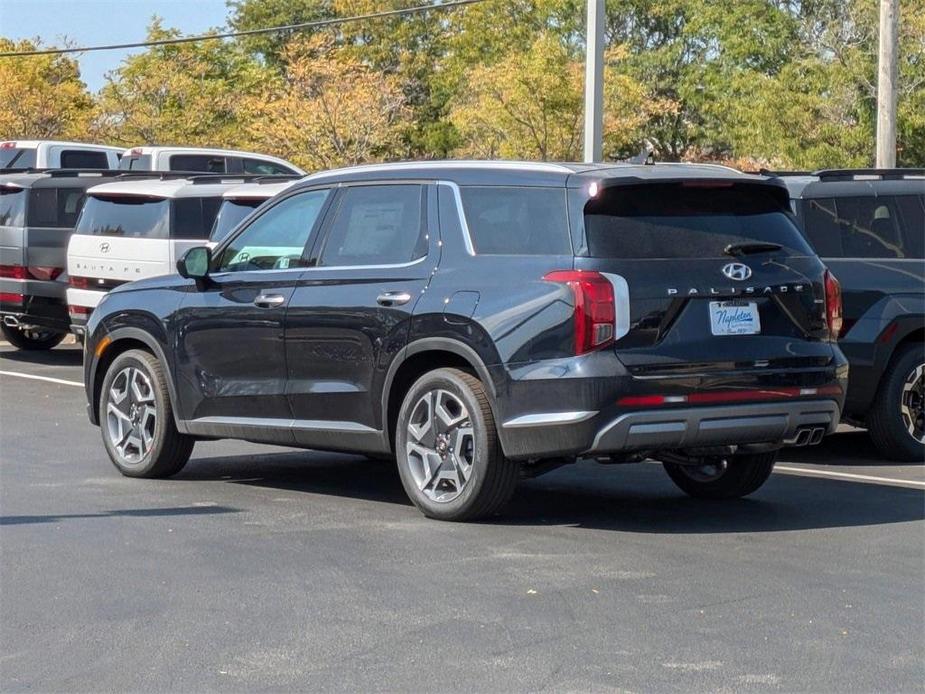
x=735 y=249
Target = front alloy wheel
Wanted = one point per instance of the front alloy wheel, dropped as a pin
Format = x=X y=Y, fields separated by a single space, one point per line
x=912 y=403
x=896 y=419
x=131 y=414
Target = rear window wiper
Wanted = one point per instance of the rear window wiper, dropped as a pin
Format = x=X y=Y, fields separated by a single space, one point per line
x=735 y=249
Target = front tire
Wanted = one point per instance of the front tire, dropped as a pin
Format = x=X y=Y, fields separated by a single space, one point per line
x=727 y=477
x=31 y=339
x=136 y=419
x=447 y=447
x=897 y=419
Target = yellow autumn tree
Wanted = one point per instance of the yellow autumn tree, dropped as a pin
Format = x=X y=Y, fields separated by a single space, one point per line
x=41 y=97
x=327 y=109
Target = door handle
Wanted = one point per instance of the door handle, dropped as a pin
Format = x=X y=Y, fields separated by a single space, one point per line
x=269 y=300
x=393 y=298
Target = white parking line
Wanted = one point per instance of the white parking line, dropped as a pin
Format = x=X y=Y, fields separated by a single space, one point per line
x=848 y=476
x=42 y=378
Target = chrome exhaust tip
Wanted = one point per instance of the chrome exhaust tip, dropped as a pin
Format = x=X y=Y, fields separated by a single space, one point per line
x=816 y=438
x=11 y=321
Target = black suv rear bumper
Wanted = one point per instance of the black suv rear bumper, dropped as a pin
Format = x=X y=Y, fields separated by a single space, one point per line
x=592 y=434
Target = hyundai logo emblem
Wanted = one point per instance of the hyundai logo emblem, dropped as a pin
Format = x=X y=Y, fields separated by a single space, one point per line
x=104 y=248
x=737 y=271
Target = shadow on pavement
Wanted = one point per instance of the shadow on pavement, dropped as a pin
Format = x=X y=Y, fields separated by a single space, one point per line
x=131 y=512
x=632 y=498
x=61 y=356
x=842 y=449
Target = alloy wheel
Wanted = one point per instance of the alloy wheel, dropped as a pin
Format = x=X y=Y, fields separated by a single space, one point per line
x=441 y=445
x=131 y=414
x=912 y=403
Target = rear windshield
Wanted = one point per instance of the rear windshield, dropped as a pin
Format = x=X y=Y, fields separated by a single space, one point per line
x=138 y=162
x=150 y=218
x=135 y=216
x=54 y=207
x=12 y=206
x=17 y=158
x=674 y=220
x=230 y=215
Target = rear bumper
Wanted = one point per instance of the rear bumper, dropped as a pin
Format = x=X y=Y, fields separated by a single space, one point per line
x=697 y=427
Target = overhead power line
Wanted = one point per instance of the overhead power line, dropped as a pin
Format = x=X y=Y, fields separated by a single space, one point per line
x=250 y=32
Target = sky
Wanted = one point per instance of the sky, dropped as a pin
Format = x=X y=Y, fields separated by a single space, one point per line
x=93 y=22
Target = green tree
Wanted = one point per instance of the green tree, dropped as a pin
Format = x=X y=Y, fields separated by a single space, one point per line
x=41 y=97
x=187 y=93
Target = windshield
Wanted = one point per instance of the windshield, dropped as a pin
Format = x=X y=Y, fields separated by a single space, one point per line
x=686 y=220
x=131 y=216
x=230 y=215
x=12 y=206
x=17 y=158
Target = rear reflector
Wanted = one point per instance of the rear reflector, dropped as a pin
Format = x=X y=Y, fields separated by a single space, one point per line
x=595 y=311
x=10 y=298
x=79 y=282
x=13 y=272
x=728 y=396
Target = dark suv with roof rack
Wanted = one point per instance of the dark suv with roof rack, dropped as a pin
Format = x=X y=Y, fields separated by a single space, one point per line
x=481 y=321
x=38 y=211
x=868 y=226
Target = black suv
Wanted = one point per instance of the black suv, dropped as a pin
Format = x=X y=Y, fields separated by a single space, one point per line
x=868 y=226
x=481 y=321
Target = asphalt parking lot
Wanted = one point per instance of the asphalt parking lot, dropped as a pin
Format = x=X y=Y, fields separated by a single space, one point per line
x=261 y=568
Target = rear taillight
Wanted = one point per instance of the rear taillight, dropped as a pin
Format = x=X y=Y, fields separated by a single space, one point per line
x=833 y=305
x=79 y=311
x=595 y=311
x=79 y=282
x=13 y=272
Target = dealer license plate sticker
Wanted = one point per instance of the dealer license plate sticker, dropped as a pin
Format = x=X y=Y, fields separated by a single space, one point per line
x=734 y=318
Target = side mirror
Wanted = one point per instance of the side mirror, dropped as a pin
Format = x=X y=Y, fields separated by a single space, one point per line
x=195 y=263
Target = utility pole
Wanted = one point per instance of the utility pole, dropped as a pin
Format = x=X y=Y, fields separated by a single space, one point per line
x=886 y=84
x=594 y=82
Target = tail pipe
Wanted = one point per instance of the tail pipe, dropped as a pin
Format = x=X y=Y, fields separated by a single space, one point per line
x=806 y=436
x=11 y=321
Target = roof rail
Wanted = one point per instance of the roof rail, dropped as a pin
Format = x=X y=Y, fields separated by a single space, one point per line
x=775 y=174
x=884 y=174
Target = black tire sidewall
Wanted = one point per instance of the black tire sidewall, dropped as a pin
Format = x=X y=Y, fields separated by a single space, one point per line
x=16 y=338
x=444 y=380
x=147 y=363
x=887 y=428
x=744 y=475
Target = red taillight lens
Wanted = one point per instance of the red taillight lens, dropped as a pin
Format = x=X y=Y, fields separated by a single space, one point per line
x=595 y=310
x=9 y=298
x=833 y=305
x=78 y=311
x=79 y=282
x=13 y=272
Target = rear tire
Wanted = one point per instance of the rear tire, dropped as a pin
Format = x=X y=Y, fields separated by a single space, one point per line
x=723 y=478
x=33 y=339
x=136 y=418
x=895 y=421
x=447 y=448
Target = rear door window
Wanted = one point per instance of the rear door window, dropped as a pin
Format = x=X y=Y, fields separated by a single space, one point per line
x=54 y=207
x=209 y=163
x=135 y=162
x=83 y=159
x=677 y=220
x=193 y=217
x=12 y=206
x=376 y=225
x=871 y=226
x=132 y=216
x=517 y=221
x=266 y=168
